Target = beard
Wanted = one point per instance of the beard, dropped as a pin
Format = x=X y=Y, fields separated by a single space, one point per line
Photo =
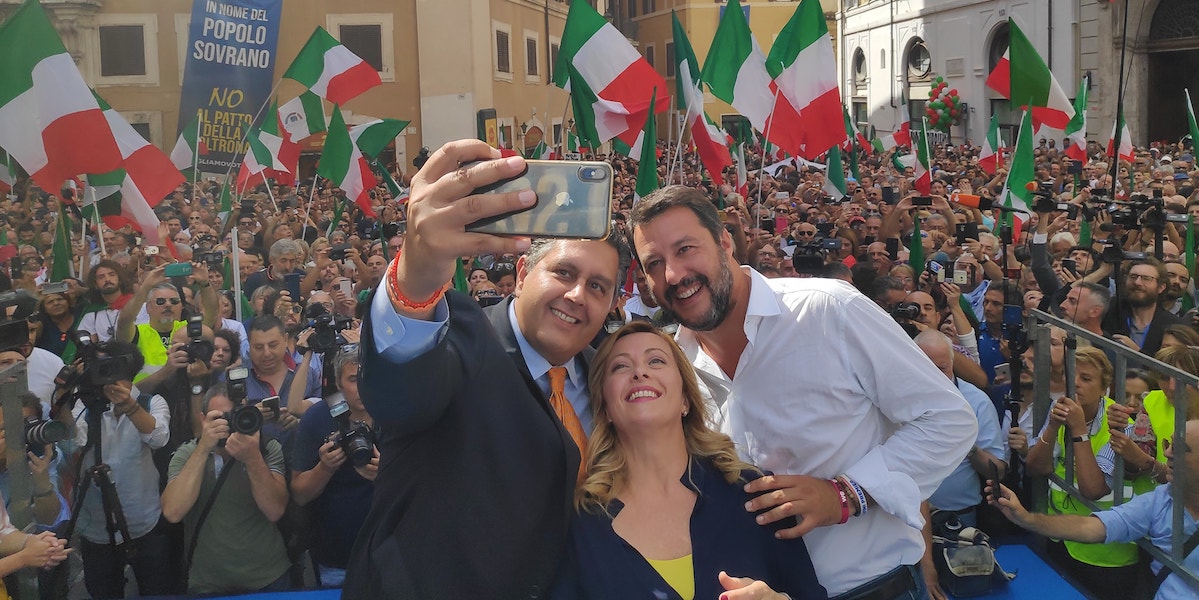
x=1141 y=298
x=1173 y=292
x=111 y=288
x=721 y=302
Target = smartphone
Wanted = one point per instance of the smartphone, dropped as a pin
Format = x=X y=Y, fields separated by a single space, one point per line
x=1069 y=264
x=966 y=231
x=345 y=286
x=922 y=201
x=150 y=251
x=178 y=270
x=1074 y=168
x=1013 y=315
x=889 y=195
x=780 y=224
x=58 y=287
x=961 y=277
x=825 y=229
x=781 y=196
x=574 y=200
x=993 y=497
x=893 y=248
x=937 y=270
x=1003 y=371
x=272 y=402
x=291 y=283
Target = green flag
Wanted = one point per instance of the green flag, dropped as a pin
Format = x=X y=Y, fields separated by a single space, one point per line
x=60 y=268
x=338 y=208
x=916 y=247
x=1084 y=233
x=1023 y=165
x=647 y=163
x=1191 y=122
x=460 y=283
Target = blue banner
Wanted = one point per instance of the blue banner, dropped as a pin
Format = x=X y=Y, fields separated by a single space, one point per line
x=228 y=75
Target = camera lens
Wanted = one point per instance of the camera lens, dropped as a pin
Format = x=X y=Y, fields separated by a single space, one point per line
x=245 y=420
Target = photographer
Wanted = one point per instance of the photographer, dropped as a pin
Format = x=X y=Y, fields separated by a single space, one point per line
x=237 y=547
x=49 y=507
x=324 y=334
x=336 y=485
x=273 y=372
x=132 y=427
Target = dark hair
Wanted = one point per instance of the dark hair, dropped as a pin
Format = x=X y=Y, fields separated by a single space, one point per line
x=124 y=282
x=230 y=336
x=266 y=323
x=660 y=201
x=615 y=239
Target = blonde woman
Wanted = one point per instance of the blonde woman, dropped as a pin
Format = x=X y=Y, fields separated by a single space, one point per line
x=661 y=506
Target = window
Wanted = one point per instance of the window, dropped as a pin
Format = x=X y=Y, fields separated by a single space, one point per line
x=143 y=129
x=370 y=36
x=554 y=45
x=126 y=49
x=649 y=55
x=999 y=43
x=366 y=41
x=859 y=71
x=861 y=115
x=503 y=59
x=122 y=50
x=532 y=57
x=632 y=6
x=647 y=6
x=920 y=62
x=670 y=59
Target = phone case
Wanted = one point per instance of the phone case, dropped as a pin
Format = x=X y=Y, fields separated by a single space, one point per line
x=574 y=200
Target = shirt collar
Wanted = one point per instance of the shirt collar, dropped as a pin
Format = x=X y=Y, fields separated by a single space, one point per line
x=762 y=303
x=536 y=363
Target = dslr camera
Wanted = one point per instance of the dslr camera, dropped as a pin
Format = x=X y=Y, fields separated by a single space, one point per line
x=327 y=327
x=354 y=437
x=40 y=432
x=197 y=348
x=244 y=418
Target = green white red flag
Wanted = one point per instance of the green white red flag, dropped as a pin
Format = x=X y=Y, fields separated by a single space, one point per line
x=1076 y=129
x=302 y=117
x=343 y=164
x=268 y=155
x=647 y=161
x=853 y=135
x=834 y=176
x=374 y=136
x=189 y=146
x=991 y=155
x=1016 y=194
x=711 y=143
x=804 y=69
x=608 y=79
x=1126 y=150
x=50 y=123
x=923 y=166
x=1194 y=127
x=540 y=152
x=330 y=70
x=1022 y=77
x=8 y=172
x=901 y=137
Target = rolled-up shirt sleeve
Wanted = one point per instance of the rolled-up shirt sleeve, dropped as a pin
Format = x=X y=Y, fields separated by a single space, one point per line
x=400 y=339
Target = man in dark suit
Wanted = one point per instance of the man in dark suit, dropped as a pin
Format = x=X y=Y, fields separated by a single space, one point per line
x=479 y=447
x=1139 y=321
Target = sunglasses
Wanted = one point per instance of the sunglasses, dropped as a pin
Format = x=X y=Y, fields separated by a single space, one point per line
x=163 y=301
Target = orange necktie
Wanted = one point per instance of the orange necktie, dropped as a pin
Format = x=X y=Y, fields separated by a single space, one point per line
x=566 y=413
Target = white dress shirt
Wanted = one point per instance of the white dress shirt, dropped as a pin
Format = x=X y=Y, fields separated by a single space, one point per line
x=830 y=384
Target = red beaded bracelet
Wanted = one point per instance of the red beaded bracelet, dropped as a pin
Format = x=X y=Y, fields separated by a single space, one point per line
x=844 y=497
x=398 y=297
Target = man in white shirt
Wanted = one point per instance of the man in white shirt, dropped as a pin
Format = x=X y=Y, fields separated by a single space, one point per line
x=813 y=382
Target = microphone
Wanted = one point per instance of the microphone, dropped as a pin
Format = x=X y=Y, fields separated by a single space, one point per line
x=1035 y=188
x=983 y=203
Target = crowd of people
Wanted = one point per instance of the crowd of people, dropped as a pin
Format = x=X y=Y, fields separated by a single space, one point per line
x=754 y=391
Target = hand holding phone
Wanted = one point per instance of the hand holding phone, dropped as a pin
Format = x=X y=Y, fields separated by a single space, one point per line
x=573 y=201
x=993 y=494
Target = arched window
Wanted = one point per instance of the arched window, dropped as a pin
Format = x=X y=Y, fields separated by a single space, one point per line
x=859 y=71
x=1175 y=19
x=919 y=61
x=999 y=43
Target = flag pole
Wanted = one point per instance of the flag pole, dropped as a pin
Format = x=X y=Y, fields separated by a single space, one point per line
x=762 y=157
x=1120 y=106
x=246 y=135
x=196 y=159
x=308 y=213
x=271 y=194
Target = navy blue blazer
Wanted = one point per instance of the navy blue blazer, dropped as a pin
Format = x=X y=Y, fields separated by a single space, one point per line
x=476 y=472
x=724 y=537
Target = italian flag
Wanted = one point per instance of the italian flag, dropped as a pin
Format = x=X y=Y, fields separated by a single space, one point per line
x=302 y=117
x=854 y=135
x=540 y=152
x=1191 y=122
x=607 y=78
x=922 y=166
x=1022 y=77
x=8 y=172
x=902 y=137
x=803 y=67
x=267 y=154
x=146 y=176
x=1076 y=129
x=710 y=142
x=1126 y=151
x=1015 y=192
x=330 y=70
x=189 y=146
x=742 y=173
x=647 y=161
x=374 y=136
x=50 y=122
x=990 y=157
x=343 y=164
x=735 y=71
x=834 y=176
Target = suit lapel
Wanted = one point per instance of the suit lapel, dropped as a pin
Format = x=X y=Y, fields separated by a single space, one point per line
x=498 y=315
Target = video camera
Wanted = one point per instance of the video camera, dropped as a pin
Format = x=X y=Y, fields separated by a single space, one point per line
x=198 y=348
x=810 y=257
x=214 y=259
x=1114 y=253
x=327 y=327
x=354 y=437
x=243 y=418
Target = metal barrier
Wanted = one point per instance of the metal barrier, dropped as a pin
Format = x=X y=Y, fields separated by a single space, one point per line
x=1040 y=336
x=14 y=381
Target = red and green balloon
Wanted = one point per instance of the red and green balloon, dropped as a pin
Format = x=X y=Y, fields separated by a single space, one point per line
x=944 y=108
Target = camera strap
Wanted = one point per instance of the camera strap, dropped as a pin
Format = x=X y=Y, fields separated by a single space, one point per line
x=220 y=481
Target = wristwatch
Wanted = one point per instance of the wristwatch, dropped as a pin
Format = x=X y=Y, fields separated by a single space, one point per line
x=1086 y=437
x=197 y=389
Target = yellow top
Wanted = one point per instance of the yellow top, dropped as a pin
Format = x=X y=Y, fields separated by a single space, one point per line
x=677 y=572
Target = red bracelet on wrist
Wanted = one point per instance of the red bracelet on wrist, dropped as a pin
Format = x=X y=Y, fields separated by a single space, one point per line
x=841 y=494
x=398 y=297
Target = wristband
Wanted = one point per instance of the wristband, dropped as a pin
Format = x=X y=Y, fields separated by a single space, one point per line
x=398 y=297
x=843 y=498
x=858 y=492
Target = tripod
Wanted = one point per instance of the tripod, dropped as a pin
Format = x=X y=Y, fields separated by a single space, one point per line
x=101 y=475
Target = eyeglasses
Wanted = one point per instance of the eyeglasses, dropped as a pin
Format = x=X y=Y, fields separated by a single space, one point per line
x=1138 y=276
x=163 y=301
x=805 y=233
x=296 y=308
